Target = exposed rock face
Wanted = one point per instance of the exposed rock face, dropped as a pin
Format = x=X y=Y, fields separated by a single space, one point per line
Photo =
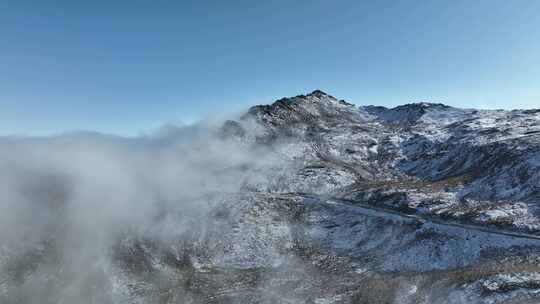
x=422 y=203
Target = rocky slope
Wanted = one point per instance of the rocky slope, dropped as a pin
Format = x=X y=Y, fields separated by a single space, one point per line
x=422 y=203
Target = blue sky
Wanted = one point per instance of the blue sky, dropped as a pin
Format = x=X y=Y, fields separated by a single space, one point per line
x=128 y=66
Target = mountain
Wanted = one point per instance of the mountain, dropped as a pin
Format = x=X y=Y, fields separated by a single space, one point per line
x=421 y=203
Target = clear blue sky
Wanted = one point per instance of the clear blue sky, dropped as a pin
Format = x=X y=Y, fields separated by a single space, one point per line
x=128 y=66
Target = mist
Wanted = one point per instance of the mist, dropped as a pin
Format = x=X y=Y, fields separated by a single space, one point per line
x=67 y=200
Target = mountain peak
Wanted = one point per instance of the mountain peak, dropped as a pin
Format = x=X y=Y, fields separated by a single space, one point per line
x=316 y=93
x=424 y=105
x=316 y=107
x=319 y=94
x=408 y=113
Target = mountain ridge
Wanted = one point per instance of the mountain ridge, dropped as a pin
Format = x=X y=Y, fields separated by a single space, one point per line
x=432 y=130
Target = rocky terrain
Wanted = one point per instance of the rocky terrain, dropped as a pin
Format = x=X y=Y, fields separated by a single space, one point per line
x=422 y=203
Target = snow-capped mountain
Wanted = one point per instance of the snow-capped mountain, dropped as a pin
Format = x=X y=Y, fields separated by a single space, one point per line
x=422 y=203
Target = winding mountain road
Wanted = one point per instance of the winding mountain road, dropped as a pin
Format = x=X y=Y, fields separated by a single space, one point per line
x=371 y=210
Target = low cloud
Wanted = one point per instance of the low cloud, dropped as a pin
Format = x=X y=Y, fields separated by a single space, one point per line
x=69 y=197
